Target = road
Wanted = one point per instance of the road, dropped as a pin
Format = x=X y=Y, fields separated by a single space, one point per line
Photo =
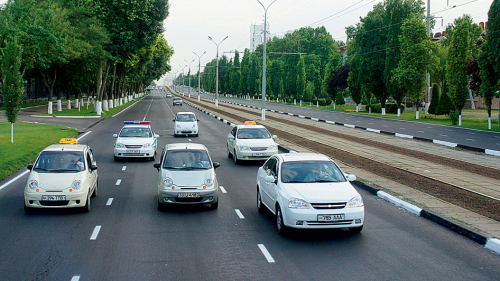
x=455 y=135
x=124 y=237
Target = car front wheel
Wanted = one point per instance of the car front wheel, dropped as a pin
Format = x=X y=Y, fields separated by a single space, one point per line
x=260 y=207
x=280 y=224
x=356 y=230
x=235 y=157
x=86 y=208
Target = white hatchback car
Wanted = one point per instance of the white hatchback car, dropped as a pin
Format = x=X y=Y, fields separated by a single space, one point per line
x=185 y=124
x=250 y=142
x=186 y=175
x=136 y=139
x=308 y=190
x=64 y=175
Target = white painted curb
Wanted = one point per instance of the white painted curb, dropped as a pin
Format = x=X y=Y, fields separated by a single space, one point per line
x=400 y=203
x=493 y=244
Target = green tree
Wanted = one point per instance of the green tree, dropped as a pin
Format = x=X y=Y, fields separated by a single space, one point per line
x=445 y=105
x=434 y=100
x=12 y=88
x=301 y=79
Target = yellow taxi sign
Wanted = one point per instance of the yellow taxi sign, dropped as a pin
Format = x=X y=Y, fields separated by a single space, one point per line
x=68 y=140
x=249 y=123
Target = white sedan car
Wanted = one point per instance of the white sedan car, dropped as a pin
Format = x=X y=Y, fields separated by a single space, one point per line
x=136 y=139
x=308 y=190
x=250 y=142
x=185 y=124
x=64 y=175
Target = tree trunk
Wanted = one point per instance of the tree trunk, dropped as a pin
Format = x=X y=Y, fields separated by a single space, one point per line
x=99 y=84
x=49 y=83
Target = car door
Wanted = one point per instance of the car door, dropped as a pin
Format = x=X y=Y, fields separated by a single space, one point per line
x=268 y=169
x=231 y=139
x=91 y=176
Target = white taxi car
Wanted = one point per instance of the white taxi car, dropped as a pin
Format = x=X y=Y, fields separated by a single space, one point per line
x=185 y=124
x=308 y=190
x=250 y=142
x=64 y=175
x=136 y=139
x=186 y=175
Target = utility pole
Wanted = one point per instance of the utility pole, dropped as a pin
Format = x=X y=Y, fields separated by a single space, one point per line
x=199 y=72
x=217 y=71
x=264 y=62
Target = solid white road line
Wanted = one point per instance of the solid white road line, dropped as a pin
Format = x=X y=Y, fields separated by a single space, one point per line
x=124 y=168
x=14 y=179
x=266 y=253
x=75 y=278
x=222 y=189
x=82 y=136
x=95 y=233
x=118 y=182
x=240 y=215
x=110 y=200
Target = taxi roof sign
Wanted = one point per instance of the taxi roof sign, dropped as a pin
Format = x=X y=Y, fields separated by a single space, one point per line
x=68 y=140
x=250 y=123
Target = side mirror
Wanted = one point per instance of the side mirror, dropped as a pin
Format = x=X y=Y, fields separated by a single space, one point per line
x=29 y=167
x=197 y=120
x=275 y=137
x=157 y=166
x=351 y=177
x=216 y=165
x=93 y=167
x=115 y=135
x=156 y=135
x=173 y=120
x=270 y=179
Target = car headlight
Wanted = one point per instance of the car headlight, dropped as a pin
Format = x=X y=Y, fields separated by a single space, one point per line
x=147 y=145
x=33 y=184
x=209 y=182
x=168 y=182
x=76 y=185
x=194 y=126
x=244 y=147
x=272 y=147
x=119 y=145
x=178 y=126
x=356 y=201
x=297 y=203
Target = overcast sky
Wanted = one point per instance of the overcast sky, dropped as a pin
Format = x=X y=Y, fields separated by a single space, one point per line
x=190 y=22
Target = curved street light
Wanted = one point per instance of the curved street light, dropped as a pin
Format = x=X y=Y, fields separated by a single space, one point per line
x=199 y=72
x=217 y=70
x=264 y=62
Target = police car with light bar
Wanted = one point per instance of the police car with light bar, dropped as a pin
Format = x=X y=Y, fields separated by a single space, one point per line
x=136 y=139
x=64 y=175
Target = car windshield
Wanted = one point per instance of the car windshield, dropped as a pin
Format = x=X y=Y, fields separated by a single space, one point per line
x=177 y=99
x=135 y=133
x=256 y=133
x=187 y=160
x=186 y=117
x=311 y=171
x=60 y=161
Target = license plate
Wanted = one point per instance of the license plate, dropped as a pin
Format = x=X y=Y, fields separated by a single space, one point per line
x=53 y=197
x=258 y=154
x=189 y=195
x=338 y=217
x=133 y=151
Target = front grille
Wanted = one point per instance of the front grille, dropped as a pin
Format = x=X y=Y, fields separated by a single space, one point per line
x=54 y=203
x=133 y=146
x=185 y=200
x=320 y=206
x=258 y=148
x=344 y=222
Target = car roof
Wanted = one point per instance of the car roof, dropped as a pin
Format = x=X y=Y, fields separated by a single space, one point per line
x=180 y=146
x=66 y=147
x=291 y=157
x=186 y=112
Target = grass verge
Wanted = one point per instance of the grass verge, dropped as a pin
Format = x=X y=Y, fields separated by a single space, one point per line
x=29 y=140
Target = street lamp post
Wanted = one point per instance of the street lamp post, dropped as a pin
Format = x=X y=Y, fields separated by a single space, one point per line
x=189 y=77
x=182 y=72
x=217 y=71
x=199 y=72
x=264 y=62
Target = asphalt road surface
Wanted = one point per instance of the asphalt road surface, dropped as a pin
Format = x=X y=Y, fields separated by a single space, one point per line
x=125 y=237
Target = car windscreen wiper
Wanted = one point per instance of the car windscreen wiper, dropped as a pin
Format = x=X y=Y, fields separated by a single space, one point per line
x=295 y=181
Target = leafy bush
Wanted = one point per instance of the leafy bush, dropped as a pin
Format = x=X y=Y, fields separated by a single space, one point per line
x=339 y=99
x=390 y=107
x=454 y=117
x=434 y=100
x=445 y=105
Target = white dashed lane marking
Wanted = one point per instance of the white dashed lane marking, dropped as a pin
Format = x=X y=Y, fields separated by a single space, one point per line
x=95 y=233
x=266 y=253
x=110 y=201
x=75 y=278
x=118 y=182
x=124 y=168
x=222 y=189
x=238 y=212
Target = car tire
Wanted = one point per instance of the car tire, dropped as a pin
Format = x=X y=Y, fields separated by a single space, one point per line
x=117 y=159
x=229 y=155
x=280 y=224
x=86 y=208
x=356 y=230
x=235 y=158
x=215 y=205
x=260 y=207
x=159 y=206
x=28 y=210
x=94 y=194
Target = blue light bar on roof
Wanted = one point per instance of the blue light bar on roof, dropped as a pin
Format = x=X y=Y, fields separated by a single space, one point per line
x=136 y=122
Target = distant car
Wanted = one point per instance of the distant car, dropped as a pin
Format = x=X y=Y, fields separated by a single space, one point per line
x=186 y=175
x=308 y=190
x=250 y=142
x=177 y=101
x=136 y=139
x=64 y=175
x=185 y=124
x=169 y=95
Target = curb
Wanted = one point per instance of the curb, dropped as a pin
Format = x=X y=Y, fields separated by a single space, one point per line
x=490 y=243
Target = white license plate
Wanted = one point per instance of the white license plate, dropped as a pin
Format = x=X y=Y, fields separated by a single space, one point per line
x=189 y=195
x=53 y=197
x=133 y=151
x=259 y=154
x=338 y=217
